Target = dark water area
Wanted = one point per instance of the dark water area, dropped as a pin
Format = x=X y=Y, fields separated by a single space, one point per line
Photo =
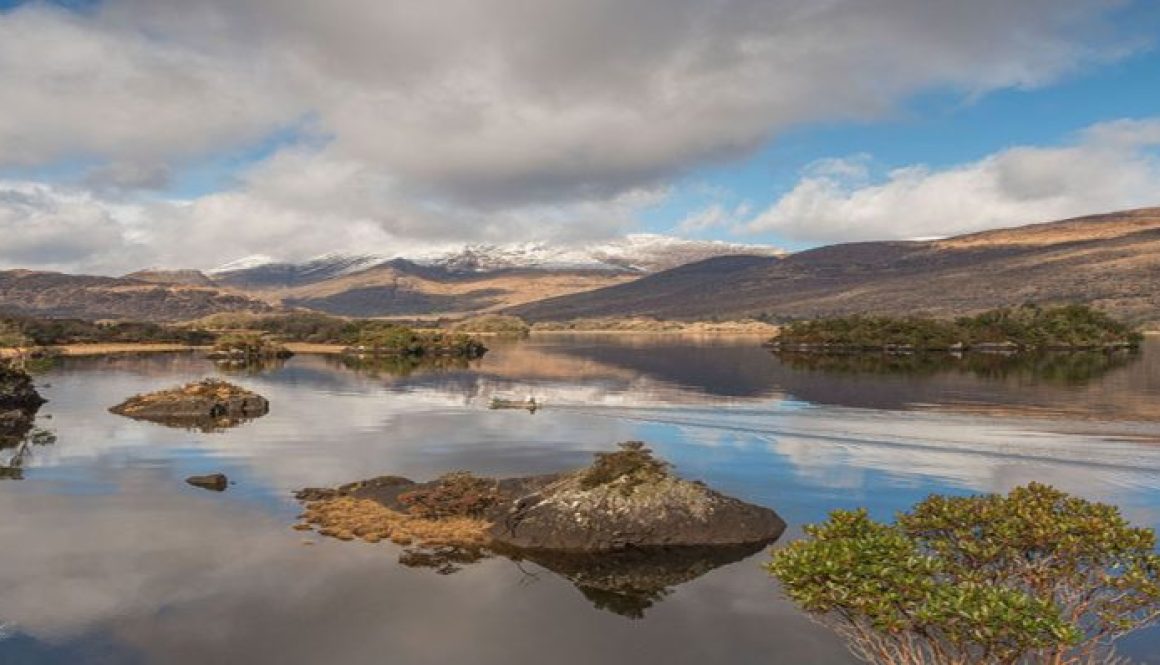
x=109 y=557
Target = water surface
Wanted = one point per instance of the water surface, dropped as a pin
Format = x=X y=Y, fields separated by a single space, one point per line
x=110 y=558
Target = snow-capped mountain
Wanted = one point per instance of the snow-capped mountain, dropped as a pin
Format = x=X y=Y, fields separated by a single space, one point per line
x=638 y=253
x=641 y=253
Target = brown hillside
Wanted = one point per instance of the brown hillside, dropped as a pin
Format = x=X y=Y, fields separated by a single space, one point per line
x=1111 y=261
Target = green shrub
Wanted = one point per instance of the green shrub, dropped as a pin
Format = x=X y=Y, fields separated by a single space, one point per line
x=1028 y=327
x=1035 y=576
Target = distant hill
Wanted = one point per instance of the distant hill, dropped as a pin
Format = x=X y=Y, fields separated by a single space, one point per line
x=179 y=277
x=51 y=294
x=477 y=278
x=1111 y=261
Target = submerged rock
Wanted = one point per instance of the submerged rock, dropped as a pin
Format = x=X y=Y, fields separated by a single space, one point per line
x=217 y=482
x=208 y=405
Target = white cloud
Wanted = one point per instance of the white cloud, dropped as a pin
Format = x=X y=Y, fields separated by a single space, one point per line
x=1109 y=166
x=465 y=119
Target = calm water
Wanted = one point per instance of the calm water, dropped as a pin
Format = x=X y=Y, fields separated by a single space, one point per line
x=108 y=557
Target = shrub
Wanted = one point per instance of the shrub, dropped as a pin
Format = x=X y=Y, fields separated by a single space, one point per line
x=1027 y=327
x=1035 y=576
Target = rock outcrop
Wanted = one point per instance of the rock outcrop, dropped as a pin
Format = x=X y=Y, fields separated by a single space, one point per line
x=629 y=499
x=216 y=482
x=208 y=405
x=624 y=531
x=626 y=499
x=19 y=403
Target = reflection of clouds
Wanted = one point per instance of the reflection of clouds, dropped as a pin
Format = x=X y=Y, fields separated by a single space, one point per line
x=189 y=578
x=845 y=448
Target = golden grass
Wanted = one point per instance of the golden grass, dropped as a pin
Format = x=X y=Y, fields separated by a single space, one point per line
x=347 y=518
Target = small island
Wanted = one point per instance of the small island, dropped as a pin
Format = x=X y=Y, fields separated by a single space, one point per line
x=625 y=499
x=397 y=340
x=246 y=348
x=1010 y=330
x=209 y=405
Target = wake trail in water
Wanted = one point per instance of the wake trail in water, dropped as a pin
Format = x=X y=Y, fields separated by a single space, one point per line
x=1008 y=442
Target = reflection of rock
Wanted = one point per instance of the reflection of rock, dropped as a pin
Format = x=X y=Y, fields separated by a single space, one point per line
x=19 y=403
x=631 y=581
x=207 y=405
x=216 y=482
x=623 y=530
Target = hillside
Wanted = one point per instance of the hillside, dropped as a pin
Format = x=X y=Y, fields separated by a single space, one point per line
x=49 y=294
x=1111 y=261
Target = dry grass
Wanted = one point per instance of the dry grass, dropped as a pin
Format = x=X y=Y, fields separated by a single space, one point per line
x=112 y=349
x=347 y=518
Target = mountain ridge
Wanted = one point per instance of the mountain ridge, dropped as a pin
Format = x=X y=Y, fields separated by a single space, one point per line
x=1110 y=260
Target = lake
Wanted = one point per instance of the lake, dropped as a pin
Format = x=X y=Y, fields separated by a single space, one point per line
x=109 y=557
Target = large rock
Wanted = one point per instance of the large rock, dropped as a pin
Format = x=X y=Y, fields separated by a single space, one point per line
x=629 y=499
x=207 y=405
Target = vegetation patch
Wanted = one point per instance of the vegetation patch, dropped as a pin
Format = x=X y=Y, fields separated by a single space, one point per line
x=1015 y=329
x=494 y=324
x=631 y=466
x=248 y=347
x=458 y=494
x=1036 y=576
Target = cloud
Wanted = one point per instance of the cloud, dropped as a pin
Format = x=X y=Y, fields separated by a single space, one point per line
x=496 y=102
x=467 y=120
x=1109 y=166
x=58 y=228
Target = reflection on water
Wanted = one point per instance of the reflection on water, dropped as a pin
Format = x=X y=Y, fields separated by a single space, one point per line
x=110 y=557
x=1058 y=367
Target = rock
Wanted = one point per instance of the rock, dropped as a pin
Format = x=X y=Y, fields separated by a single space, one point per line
x=629 y=499
x=626 y=499
x=625 y=531
x=19 y=403
x=217 y=482
x=209 y=405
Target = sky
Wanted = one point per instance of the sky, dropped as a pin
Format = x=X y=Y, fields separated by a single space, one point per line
x=191 y=133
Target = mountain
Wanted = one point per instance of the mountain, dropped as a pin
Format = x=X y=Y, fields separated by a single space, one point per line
x=177 y=277
x=57 y=295
x=1111 y=261
x=476 y=278
x=639 y=253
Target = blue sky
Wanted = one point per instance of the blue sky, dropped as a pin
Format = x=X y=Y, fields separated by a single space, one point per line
x=145 y=132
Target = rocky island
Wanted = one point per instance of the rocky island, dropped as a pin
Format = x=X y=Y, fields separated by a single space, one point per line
x=248 y=348
x=208 y=405
x=623 y=530
x=625 y=499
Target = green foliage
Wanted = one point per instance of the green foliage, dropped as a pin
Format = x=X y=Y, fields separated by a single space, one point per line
x=494 y=324
x=1036 y=576
x=1026 y=327
x=56 y=332
x=249 y=346
x=633 y=465
x=382 y=338
x=12 y=337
